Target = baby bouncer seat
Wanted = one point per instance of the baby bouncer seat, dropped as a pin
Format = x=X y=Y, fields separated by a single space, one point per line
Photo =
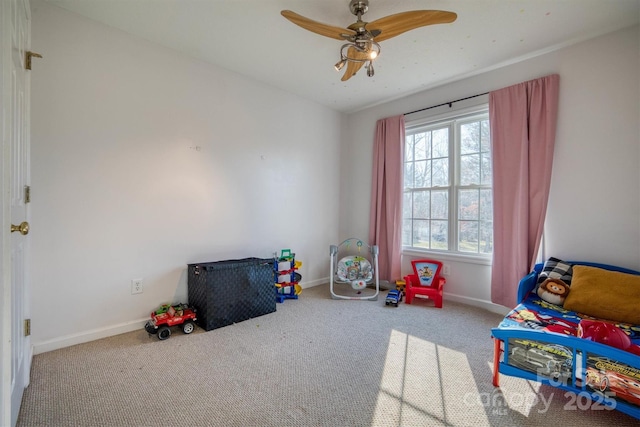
x=351 y=271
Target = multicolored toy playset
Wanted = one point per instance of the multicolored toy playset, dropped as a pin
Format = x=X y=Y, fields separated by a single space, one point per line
x=287 y=278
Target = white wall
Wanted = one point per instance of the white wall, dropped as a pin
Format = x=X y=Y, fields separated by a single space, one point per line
x=144 y=160
x=594 y=204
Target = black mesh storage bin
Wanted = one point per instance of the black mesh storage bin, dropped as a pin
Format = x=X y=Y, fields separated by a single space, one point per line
x=227 y=292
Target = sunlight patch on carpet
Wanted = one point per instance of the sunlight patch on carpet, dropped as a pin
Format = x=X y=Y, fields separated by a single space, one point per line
x=421 y=384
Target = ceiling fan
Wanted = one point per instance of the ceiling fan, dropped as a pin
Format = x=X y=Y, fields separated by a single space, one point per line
x=362 y=38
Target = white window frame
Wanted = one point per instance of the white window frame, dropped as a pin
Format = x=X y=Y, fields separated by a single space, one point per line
x=428 y=119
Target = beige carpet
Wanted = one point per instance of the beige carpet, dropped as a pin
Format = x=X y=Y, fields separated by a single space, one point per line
x=314 y=362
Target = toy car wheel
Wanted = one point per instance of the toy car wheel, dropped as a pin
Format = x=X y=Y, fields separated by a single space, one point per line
x=164 y=332
x=149 y=327
x=188 y=327
x=604 y=384
x=396 y=304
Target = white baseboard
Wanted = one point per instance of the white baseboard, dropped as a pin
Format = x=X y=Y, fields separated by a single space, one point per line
x=83 y=337
x=325 y=281
x=96 y=334
x=475 y=302
x=312 y=283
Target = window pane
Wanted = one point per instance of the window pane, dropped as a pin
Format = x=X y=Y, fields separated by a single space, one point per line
x=423 y=174
x=468 y=202
x=421 y=146
x=440 y=143
x=440 y=173
x=421 y=204
x=406 y=232
x=470 y=138
x=486 y=136
x=486 y=169
x=440 y=205
x=486 y=205
x=408 y=148
x=440 y=235
x=486 y=237
x=408 y=175
x=470 y=169
x=407 y=206
x=468 y=236
x=421 y=234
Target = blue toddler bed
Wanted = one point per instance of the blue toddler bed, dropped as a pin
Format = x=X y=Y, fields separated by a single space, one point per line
x=545 y=342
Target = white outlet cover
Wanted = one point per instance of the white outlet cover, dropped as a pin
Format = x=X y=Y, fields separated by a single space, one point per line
x=136 y=286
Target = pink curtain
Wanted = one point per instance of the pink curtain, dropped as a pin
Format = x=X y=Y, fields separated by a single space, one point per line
x=523 y=128
x=385 y=224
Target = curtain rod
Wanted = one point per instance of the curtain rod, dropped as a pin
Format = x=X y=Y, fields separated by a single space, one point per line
x=446 y=103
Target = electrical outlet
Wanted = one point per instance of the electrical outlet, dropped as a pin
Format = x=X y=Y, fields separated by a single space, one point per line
x=136 y=286
x=446 y=270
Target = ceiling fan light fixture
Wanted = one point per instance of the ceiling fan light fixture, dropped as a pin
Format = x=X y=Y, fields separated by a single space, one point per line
x=359 y=53
x=370 y=70
x=370 y=51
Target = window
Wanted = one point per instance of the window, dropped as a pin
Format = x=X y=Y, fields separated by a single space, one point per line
x=447 y=185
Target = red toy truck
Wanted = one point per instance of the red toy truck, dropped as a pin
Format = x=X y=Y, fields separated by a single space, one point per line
x=180 y=314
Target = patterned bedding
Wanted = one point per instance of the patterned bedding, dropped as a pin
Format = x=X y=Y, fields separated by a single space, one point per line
x=534 y=313
x=544 y=342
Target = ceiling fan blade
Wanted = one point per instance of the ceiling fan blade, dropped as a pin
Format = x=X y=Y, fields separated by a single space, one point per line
x=393 y=25
x=317 y=27
x=353 y=67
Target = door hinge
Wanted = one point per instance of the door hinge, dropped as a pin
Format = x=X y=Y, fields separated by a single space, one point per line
x=27 y=58
x=27 y=194
x=27 y=327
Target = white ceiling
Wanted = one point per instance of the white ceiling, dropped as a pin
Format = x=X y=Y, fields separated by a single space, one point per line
x=250 y=37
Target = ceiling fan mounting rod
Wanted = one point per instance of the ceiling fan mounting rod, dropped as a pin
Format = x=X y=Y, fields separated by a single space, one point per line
x=359 y=7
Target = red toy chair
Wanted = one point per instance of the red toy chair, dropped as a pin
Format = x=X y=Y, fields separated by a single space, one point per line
x=426 y=280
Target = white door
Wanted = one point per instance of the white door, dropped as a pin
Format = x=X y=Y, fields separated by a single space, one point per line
x=15 y=18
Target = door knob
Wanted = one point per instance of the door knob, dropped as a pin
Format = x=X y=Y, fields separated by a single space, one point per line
x=23 y=228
